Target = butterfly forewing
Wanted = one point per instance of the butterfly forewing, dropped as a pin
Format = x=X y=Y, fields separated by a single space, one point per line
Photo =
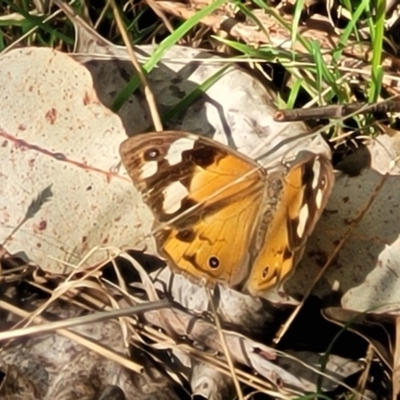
x=206 y=199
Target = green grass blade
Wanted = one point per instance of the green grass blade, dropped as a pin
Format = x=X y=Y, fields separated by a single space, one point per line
x=250 y=15
x=294 y=92
x=377 y=48
x=269 y=10
x=2 y=43
x=350 y=28
x=165 y=45
x=33 y=21
x=296 y=19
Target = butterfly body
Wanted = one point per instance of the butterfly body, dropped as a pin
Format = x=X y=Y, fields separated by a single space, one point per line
x=219 y=216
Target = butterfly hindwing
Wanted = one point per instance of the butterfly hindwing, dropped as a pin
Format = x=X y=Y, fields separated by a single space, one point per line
x=305 y=190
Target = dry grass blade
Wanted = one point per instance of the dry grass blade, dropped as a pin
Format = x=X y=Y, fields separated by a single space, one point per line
x=87 y=319
x=84 y=341
x=146 y=88
x=396 y=361
x=362 y=383
x=146 y=280
x=224 y=346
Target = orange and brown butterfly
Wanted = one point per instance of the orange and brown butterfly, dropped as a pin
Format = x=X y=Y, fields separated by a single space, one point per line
x=219 y=216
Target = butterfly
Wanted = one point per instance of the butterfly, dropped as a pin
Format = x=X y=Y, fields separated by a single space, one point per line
x=220 y=217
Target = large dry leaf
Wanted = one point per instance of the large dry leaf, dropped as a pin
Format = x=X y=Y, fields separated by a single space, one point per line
x=62 y=194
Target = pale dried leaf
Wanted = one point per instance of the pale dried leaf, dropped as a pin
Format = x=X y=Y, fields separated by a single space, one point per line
x=244 y=121
x=247 y=312
x=385 y=153
x=62 y=192
x=209 y=383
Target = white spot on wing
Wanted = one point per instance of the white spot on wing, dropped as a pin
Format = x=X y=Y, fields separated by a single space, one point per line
x=173 y=196
x=174 y=155
x=303 y=217
x=317 y=173
x=148 y=169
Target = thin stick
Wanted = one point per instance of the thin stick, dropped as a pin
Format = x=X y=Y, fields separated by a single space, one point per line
x=336 y=111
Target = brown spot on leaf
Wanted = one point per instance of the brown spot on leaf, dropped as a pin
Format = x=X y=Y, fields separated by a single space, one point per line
x=42 y=225
x=86 y=99
x=51 y=116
